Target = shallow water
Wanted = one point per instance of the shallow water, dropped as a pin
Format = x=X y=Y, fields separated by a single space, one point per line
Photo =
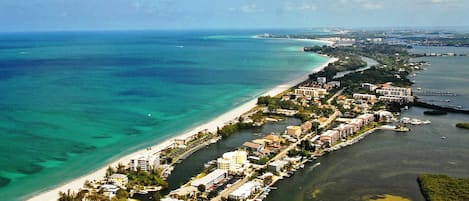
x=72 y=102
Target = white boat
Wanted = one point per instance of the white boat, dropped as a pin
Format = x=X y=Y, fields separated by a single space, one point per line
x=426 y=122
x=443 y=137
x=415 y=122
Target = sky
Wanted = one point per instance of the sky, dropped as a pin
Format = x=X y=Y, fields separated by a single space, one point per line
x=66 y=15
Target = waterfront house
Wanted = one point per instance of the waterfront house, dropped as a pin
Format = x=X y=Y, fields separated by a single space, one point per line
x=330 y=136
x=212 y=178
x=274 y=139
x=184 y=140
x=244 y=191
x=232 y=161
x=146 y=162
x=394 y=91
x=120 y=180
x=396 y=99
x=367 y=118
x=357 y=123
x=369 y=98
x=294 y=131
x=277 y=166
x=369 y=87
x=183 y=192
x=253 y=147
x=344 y=130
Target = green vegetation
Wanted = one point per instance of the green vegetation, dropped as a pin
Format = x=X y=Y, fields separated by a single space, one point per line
x=274 y=103
x=463 y=125
x=229 y=129
x=443 y=188
x=142 y=178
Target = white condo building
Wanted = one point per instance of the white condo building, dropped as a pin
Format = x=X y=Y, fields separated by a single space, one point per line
x=145 y=162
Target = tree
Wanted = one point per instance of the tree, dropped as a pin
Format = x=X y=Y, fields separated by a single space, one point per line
x=157 y=196
x=267 y=180
x=122 y=194
x=201 y=188
x=212 y=194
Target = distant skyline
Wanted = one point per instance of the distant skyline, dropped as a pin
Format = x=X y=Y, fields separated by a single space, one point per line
x=67 y=15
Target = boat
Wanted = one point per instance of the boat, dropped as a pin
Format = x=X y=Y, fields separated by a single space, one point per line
x=180 y=46
x=405 y=120
x=402 y=129
x=426 y=122
x=415 y=122
x=443 y=137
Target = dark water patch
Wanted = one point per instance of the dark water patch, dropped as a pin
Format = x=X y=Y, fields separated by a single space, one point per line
x=4 y=181
x=132 y=131
x=139 y=93
x=31 y=168
x=101 y=137
x=59 y=158
x=80 y=148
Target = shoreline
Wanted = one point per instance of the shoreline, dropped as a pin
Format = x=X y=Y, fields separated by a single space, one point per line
x=211 y=126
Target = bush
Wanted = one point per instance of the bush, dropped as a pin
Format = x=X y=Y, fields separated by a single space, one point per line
x=443 y=188
x=463 y=125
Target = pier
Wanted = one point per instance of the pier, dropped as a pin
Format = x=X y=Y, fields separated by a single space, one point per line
x=433 y=93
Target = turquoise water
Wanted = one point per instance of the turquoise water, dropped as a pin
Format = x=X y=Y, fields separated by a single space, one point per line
x=71 y=102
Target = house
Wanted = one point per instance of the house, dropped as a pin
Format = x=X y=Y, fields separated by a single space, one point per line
x=369 y=87
x=334 y=83
x=394 y=91
x=183 y=192
x=369 y=98
x=357 y=123
x=396 y=99
x=344 y=130
x=367 y=118
x=244 y=191
x=305 y=127
x=119 y=180
x=109 y=190
x=294 y=131
x=330 y=136
x=273 y=139
x=210 y=179
x=254 y=147
x=184 y=140
x=311 y=92
x=277 y=166
x=321 y=80
x=145 y=162
x=232 y=160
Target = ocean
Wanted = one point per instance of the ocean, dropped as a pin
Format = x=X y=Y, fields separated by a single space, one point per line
x=71 y=102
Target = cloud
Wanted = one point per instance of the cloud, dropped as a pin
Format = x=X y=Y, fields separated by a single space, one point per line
x=251 y=8
x=443 y=1
x=365 y=4
x=290 y=6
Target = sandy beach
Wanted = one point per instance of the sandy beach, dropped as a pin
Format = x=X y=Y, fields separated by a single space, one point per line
x=211 y=126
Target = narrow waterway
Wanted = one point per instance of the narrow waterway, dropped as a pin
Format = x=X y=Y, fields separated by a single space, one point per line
x=369 y=63
x=194 y=164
